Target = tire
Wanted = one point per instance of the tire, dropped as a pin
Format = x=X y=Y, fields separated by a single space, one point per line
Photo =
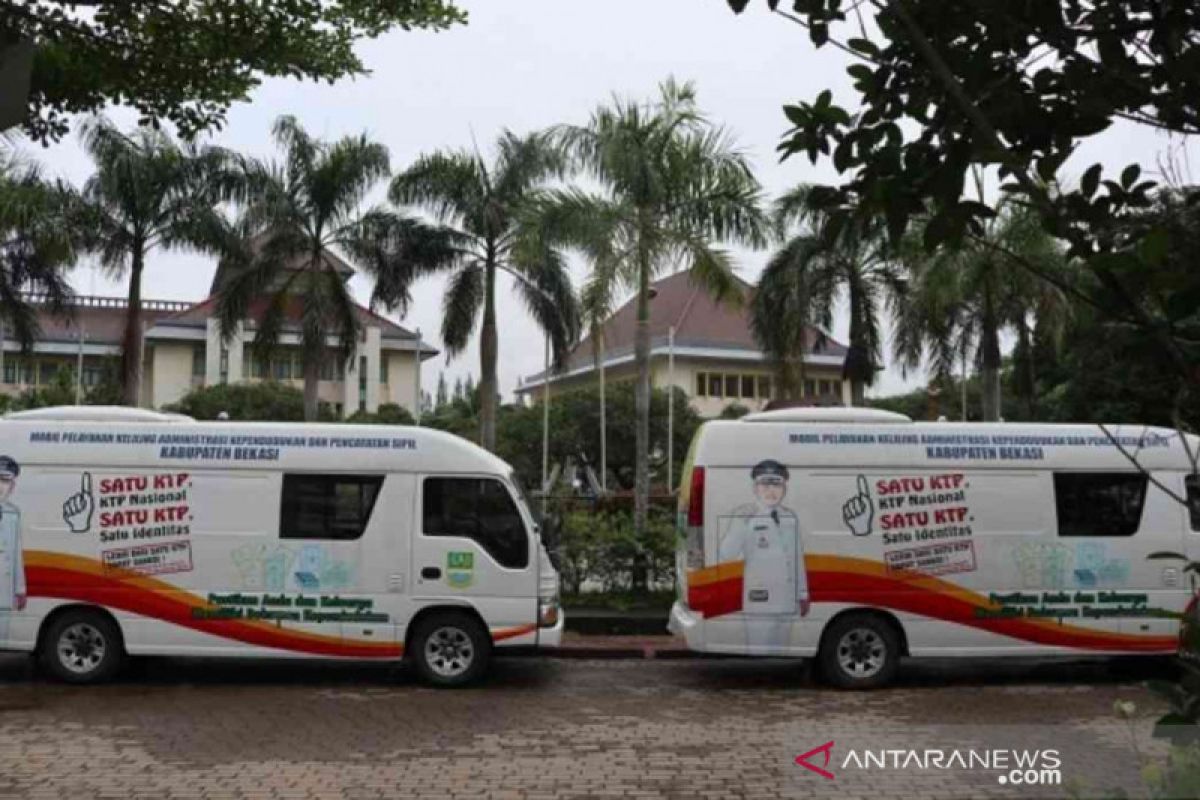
x=859 y=651
x=82 y=646
x=450 y=649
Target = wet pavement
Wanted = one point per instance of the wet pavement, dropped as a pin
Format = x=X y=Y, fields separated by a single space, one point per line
x=542 y=728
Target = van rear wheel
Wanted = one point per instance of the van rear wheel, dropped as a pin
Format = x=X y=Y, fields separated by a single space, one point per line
x=450 y=649
x=859 y=651
x=82 y=646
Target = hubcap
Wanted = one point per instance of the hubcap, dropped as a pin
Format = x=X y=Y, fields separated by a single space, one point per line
x=861 y=653
x=81 y=648
x=449 y=652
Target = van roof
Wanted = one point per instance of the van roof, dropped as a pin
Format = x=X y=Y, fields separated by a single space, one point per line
x=890 y=442
x=162 y=441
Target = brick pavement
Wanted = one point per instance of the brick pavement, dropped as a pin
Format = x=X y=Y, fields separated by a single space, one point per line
x=544 y=728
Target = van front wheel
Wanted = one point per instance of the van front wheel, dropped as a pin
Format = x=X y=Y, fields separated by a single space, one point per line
x=860 y=651
x=82 y=646
x=450 y=649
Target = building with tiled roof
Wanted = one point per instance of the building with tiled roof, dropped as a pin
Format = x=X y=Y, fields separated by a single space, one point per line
x=717 y=363
x=183 y=350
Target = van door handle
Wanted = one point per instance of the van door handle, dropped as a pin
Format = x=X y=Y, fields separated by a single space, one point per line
x=431 y=573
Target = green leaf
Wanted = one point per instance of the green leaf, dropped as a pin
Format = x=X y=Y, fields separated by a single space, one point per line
x=860 y=72
x=1090 y=181
x=865 y=46
x=1129 y=175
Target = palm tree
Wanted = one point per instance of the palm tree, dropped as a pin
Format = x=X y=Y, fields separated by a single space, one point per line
x=36 y=246
x=490 y=207
x=672 y=183
x=961 y=299
x=149 y=192
x=803 y=281
x=284 y=268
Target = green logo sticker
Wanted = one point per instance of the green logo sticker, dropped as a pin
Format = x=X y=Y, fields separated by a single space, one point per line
x=460 y=569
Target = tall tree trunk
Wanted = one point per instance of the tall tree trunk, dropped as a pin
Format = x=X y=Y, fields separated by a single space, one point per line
x=989 y=367
x=131 y=350
x=641 y=402
x=858 y=367
x=1026 y=380
x=312 y=383
x=487 y=362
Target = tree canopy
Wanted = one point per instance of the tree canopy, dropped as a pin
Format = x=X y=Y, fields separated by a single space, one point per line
x=188 y=61
x=945 y=86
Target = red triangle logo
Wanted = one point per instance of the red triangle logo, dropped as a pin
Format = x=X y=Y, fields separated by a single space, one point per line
x=825 y=749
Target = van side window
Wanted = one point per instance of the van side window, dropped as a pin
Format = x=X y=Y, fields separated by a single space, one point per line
x=1099 y=503
x=327 y=506
x=1193 y=499
x=479 y=509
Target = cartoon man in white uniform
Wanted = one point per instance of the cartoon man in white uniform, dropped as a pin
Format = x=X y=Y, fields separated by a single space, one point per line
x=765 y=536
x=12 y=567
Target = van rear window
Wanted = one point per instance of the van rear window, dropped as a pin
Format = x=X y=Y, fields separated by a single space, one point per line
x=479 y=509
x=1099 y=503
x=327 y=506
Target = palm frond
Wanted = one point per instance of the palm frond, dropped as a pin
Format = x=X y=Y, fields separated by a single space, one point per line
x=460 y=307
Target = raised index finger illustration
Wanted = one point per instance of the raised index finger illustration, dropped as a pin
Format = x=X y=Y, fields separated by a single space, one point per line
x=85 y=483
x=864 y=490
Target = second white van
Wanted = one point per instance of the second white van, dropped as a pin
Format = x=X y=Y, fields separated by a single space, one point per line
x=857 y=536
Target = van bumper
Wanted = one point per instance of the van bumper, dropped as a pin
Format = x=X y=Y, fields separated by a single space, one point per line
x=552 y=637
x=688 y=624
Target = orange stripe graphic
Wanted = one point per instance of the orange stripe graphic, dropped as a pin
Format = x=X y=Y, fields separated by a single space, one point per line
x=68 y=577
x=842 y=579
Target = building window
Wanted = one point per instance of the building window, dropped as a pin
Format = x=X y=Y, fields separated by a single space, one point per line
x=764 y=387
x=479 y=509
x=199 y=364
x=810 y=388
x=701 y=384
x=48 y=371
x=224 y=368
x=1193 y=498
x=748 y=386
x=731 y=385
x=11 y=369
x=92 y=374
x=826 y=388
x=334 y=507
x=362 y=383
x=383 y=369
x=1099 y=503
x=715 y=386
x=281 y=368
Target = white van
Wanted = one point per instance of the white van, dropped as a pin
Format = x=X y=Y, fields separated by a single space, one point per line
x=858 y=536
x=125 y=531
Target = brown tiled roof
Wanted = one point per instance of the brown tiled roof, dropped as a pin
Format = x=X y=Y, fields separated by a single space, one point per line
x=699 y=321
x=329 y=260
x=101 y=318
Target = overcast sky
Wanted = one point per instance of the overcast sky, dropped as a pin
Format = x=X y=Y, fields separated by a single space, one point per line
x=530 y=64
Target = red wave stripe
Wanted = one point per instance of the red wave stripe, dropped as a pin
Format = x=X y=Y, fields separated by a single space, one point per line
x=68 y=577
x=868 y=582
x=839 y=579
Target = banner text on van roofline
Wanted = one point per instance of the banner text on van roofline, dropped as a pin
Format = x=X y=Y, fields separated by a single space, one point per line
x=223 y=447
x=981 y=447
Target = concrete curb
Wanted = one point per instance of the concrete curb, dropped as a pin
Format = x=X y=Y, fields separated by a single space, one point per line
x=647 y=652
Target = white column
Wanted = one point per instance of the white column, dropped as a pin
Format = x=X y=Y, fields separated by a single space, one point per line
x=237 y=349
x=212 y=352
x=350 y=383
x=371 y=349
x=417 y=372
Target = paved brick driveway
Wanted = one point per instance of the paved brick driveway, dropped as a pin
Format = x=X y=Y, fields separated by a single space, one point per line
x=551 y=728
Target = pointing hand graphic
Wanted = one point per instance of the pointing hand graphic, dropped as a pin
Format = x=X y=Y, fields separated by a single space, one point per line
x=859 y=511
x=79 y=507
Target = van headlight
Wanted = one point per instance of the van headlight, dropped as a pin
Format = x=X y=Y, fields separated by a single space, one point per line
x=548 y=612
